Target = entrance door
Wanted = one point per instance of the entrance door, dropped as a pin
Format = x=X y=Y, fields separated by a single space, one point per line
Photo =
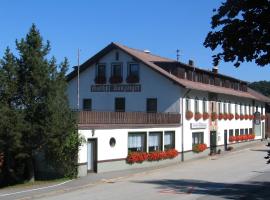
x=225 y=139
x=263 y=130
x=213 y=141
x=92 y=155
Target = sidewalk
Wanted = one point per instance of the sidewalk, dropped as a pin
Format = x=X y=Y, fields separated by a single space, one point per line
x=43 y=190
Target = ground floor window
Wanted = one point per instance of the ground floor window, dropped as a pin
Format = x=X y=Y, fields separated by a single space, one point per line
x=236 y=132
x=231 y=132
x=169 y=140
x=154 y=141
x=241 y=131
x=250 y=131
x=136 y=141
x=197 y=138
x=246 y=131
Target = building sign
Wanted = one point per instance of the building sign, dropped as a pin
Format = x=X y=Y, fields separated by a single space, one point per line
x=257 y=118
x=198 y=125
x=116 y=88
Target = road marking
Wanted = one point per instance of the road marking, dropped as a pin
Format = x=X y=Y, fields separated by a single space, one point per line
x=24 y=191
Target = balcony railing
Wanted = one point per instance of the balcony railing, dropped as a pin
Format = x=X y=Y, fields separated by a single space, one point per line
x=124 y=118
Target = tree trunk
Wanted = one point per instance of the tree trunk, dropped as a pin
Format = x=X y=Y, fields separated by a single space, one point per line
x=30 y=170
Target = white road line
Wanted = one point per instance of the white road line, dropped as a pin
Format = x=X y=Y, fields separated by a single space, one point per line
x=24 y=191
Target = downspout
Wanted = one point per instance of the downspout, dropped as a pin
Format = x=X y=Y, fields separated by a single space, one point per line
x=182 y=122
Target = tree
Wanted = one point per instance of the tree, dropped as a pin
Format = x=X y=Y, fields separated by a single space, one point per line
x=262 y=87
x=11 y=122
x=242 y=29
x=36 y=117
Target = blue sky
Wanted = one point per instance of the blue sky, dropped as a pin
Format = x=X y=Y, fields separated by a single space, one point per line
x=162 y=26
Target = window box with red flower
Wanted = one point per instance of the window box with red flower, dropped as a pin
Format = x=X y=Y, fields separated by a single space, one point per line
x=197 y=116
x=214 y=116
x=116 y=79
x=205 y=116
x=232 y=138
x=100 y=80
x=189 y=115
x=237 y=116
x=230 y=116
x=246 y=117
x=251 y=117
x=197 y=148
x=242 y=117
x=225 y=116
x=132 y=79
x=220 y=116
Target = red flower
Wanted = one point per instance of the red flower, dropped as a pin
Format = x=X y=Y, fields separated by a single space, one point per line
x=189 y=115
x=214 y=116
x=199 y=148
x=197 y=116
x=232 y=138
x=220 y=116
x=231 y=116
x=246 y=117
x=251 y=117
x=237 y=116
x=242 y=117
x=225 y=116
x=205 y=116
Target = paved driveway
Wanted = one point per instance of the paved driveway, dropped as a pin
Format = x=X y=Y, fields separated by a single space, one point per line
x=237 y=175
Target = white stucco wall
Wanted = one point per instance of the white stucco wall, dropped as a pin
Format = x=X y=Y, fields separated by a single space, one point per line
x=153 y=85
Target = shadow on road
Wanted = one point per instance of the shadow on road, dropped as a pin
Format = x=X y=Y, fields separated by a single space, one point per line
x=248 y=191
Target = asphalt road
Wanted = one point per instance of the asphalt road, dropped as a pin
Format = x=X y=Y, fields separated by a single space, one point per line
x=237 y=175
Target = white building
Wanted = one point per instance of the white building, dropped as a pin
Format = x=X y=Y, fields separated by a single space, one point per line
x=131 y=100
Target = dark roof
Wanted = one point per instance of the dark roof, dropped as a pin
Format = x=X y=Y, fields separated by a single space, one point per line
x=153 y=62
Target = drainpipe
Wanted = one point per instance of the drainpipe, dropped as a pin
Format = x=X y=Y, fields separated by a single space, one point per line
x=182 y=122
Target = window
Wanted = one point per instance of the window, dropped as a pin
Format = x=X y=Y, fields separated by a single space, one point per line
x=196 y=105
x=154 y=141
x=231 y=132
x=241 y=109
x=112 y=142
x=169 y=140
x=236 y=132
x=87 y=104
x=151 y=105
x=262 y=110
x=119 y=104
x=236 y=108
x=187 y=104
x=246 y=131
x=136 y=141
x=250 y=131
x=219 y=108
x=241 y=131
x=245 y=109
x=101 y=70
x=133 y=73
x=230 y=107
x=249 y=109
x=116 y=55
x=116 y=70
x=225 y=107
x=204 y=106
x=197 y=138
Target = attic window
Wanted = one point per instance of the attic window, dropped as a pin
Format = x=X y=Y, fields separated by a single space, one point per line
x=117 y=55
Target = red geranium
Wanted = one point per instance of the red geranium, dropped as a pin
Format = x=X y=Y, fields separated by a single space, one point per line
x=197 y=116
x=225 y=116
x=237 y=116
x=220 y=116
x=214 y=116
x=246 y=117
x=242 y=117
x=189 y=115
x=251 y=117
x=205 y=116
x=199 y=148
x=231 y=116
x=232 y=138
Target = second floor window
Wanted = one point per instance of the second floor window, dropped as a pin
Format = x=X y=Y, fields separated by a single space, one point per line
x=116 y=73
x=204 y=106
x=87 y=104
x=219 y=108
x=100 y=74
x=187 y=104
x=196 y=106
x=133 y=73
x=236 y=108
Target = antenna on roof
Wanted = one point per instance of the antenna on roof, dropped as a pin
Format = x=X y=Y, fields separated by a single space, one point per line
x=178 y=54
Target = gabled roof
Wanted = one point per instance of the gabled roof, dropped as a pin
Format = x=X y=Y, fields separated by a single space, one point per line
x=150 y=60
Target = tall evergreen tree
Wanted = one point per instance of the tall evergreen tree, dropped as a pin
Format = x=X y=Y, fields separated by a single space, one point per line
x=10 y=122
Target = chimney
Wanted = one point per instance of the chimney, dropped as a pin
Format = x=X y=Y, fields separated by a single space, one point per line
x=215 y=69
x=147 y=51
x=191 y=63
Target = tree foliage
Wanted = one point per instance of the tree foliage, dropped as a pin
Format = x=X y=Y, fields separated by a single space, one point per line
x=35 y=117
x=242 y=29
x=262 y=87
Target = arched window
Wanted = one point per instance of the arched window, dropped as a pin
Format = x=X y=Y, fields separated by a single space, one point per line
x=241 y=109
x=236 y=108
x=219 y=107
x=205 y=106
x=230 y=107
x=196 y=105
x=187 y=104
x=224 y=107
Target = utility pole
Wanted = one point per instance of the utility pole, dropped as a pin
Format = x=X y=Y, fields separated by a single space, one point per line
x=78 y=81
x=177 y=54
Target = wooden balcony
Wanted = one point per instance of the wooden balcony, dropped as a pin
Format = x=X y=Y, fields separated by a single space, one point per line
x=102 y=119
